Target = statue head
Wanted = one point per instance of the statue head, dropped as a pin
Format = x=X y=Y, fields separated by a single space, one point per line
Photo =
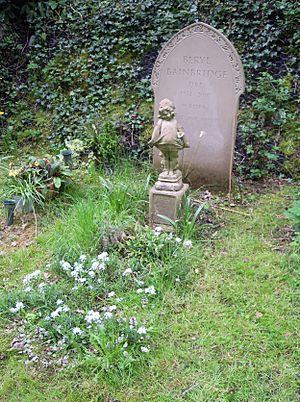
x=166 y=109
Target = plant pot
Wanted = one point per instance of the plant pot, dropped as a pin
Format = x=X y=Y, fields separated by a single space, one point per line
x=67 y=155
x=25 y=208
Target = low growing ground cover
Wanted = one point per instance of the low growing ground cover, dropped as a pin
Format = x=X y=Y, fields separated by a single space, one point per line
x=100 y=307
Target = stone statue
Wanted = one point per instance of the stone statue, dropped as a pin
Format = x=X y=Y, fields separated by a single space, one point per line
x=168 y=136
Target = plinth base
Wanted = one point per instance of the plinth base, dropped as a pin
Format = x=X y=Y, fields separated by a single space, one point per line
x=165 y=203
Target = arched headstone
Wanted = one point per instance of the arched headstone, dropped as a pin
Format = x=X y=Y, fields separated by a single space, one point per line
x=201 y=72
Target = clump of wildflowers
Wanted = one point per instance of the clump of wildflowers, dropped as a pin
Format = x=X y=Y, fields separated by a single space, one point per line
x=100 y=312
x=19 y=306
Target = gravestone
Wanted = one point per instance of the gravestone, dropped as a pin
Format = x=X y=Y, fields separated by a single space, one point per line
x=201 y=72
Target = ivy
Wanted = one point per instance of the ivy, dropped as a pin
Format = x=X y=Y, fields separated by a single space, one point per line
x=74 y=62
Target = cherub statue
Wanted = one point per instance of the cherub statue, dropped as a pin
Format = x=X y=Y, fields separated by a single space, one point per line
x=168 y=136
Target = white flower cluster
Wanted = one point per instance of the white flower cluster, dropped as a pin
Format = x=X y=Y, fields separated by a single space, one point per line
x=150 y=290
x=62 y=308
x=28 y=278
x=159 y=230
x=19 y=306
x=85 y=272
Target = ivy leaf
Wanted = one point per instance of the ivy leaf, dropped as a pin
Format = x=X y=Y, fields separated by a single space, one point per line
x=57 y=182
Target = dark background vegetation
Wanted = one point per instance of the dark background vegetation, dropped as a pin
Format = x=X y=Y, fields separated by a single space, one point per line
x=66 y=65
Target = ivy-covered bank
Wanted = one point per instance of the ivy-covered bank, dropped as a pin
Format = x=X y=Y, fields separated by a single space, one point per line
x=70 y=68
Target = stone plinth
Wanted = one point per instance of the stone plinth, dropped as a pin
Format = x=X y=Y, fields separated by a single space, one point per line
x=162 y=202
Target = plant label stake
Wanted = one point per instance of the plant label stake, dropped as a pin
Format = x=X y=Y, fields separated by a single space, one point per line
x=9 y=206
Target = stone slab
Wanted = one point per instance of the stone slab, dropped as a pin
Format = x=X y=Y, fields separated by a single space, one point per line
x=201 y=72
x=165 y=203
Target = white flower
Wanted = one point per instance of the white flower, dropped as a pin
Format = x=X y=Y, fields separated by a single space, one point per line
x=127 y=272
x=59 y=302
x=74 y=274
x=125 y=345
x=157 y=231
x=178 y=240
x=92 y=274
x=99 y=280
x=112 y=308
x=188 y=244
x=151 y=290
x=141 y=330
x=144 y=349
x=28 y=289
x=41 y=286
x=111 y=294
x=126 y=354
x=92 y=316
x=82 y=258
x=19 y=306
x=66 y=266
x=108 y=315
x=65 y=309
x=103 y=256
x=177 y=279
x=27 y=279
x=78 y=267
x=77 y=331
x=95 y=265
x=82 y=280
x=139 y=291
x=56 y=312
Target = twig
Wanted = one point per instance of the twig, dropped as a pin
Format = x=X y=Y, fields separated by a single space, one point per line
x=235 y=212
x=35 y=220
x=189 y=389
x=224 y=209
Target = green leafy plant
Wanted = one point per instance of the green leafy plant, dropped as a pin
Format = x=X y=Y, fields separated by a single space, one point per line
x=187 y=224
x=104 y=142
x=38 y=180
x=294 y=214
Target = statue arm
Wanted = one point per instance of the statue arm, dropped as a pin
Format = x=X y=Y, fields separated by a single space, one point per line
x=181 y=134
x=156 y=132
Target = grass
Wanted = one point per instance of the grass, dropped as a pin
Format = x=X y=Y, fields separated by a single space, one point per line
x=227 y=332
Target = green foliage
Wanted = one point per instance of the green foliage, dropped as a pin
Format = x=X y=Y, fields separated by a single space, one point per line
x=270 y=130
x=187 y=225
x=104 y=142
x=37 y=180
x=150 y=246
x=294 y=214
x=76 y=62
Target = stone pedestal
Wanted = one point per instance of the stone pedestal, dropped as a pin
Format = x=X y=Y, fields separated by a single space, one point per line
x=163 y=202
